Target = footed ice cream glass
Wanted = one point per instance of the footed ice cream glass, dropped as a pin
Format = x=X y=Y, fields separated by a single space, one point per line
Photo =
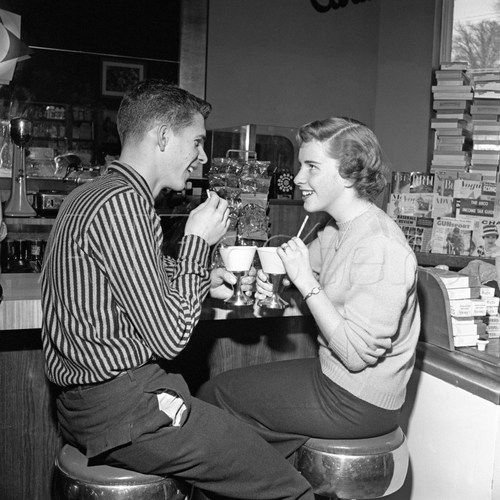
x=273 y=266
x=238 y=260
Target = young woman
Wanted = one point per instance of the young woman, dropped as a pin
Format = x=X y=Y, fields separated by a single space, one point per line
x=359 y=280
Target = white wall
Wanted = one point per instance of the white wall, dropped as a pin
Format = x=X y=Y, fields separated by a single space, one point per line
x=454 y=443
x=403 y=97
x=279 y=62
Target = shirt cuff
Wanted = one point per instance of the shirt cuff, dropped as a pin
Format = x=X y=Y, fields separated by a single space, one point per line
x=194 y=248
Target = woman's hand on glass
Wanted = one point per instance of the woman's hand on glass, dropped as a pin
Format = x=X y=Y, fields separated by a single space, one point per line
x=295 y=257
x=248 y=281
x=263 y=287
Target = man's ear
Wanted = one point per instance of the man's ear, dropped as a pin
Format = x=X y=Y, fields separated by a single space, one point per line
x=163 y=136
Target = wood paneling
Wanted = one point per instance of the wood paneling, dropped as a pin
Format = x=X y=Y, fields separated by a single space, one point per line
x=270 y=339
x=20 y=314
x=28 y=433
x=21 y=308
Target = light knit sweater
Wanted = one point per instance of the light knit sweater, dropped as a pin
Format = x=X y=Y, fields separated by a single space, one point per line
x=371 y=281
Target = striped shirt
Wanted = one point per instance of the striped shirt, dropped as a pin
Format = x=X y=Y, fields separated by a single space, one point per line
x=111 y=301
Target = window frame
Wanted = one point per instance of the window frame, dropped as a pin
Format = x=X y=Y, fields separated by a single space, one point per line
x=446 y=38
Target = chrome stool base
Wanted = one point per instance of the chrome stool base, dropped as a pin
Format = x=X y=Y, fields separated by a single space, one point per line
x=355 y=468
x=75 y=480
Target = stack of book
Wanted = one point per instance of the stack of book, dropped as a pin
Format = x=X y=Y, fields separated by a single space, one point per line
x=471 y=304
x=452 y=96
x=485 y=112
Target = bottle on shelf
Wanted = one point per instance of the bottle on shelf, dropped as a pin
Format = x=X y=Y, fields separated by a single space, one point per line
x=22 y=256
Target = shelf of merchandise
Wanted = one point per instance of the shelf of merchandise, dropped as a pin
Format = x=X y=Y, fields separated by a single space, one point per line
x=49 y=221
x=32 y=221
x=454 y=262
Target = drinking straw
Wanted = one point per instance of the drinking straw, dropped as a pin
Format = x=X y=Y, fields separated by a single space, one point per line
x=311 y=231
x=306 y=218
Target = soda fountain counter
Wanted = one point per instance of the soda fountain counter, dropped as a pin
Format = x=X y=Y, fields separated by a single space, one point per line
x=224 y=338
x=451 y=417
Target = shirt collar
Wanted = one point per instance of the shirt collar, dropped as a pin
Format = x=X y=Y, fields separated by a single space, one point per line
x=137 y=181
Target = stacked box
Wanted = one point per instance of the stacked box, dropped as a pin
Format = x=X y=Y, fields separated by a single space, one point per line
x=471 y=304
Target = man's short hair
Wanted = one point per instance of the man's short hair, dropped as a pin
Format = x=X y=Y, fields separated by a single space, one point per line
x=154 y=102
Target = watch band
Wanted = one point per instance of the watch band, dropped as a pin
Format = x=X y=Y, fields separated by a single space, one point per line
x=314 y=291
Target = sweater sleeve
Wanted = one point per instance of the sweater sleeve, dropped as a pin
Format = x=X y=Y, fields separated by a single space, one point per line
x=381 y=275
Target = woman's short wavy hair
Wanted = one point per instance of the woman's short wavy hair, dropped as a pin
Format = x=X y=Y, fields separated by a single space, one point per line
x=355 y=147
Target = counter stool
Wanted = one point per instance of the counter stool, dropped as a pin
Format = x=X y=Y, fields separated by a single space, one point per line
x=75 y=480
x=355 y=468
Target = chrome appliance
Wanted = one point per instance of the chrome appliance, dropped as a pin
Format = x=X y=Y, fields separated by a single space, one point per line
x=18 y=205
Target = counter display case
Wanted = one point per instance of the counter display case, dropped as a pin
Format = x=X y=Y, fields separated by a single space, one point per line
x=266 y=143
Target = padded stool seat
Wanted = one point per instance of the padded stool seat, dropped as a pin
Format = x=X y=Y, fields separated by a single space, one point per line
x=355 y=468
x=74 y=479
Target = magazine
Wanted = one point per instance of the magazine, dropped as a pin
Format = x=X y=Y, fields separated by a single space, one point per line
x=421 y=182
x=467 y=189
x=444 y=181
x=452 y=236
x=411 y=182
x=467 y=207
x=400 y=182
x=489 y=190
x=416 y=204
x=485 y=237
x=442 y=206
x=417 y=231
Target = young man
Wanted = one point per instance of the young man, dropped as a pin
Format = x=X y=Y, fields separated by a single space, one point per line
x=113 y=305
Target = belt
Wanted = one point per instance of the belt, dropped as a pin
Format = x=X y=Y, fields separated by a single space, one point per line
x=92 y=384
x=95 y=384
x=75 y=387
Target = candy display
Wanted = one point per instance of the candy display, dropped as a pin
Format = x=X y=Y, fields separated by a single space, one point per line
x=244 y=183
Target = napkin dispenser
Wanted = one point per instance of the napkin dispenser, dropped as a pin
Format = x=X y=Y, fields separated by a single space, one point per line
x=48 y=202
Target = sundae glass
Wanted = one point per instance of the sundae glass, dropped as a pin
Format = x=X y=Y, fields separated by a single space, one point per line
x=273 y=266
x=238 y=260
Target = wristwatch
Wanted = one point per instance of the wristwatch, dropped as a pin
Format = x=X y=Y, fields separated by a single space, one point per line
x=314 y=291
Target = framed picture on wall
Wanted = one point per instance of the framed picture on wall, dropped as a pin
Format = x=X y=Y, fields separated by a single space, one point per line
x=118 y=76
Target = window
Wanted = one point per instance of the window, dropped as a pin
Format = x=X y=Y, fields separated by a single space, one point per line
x=471 y=33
